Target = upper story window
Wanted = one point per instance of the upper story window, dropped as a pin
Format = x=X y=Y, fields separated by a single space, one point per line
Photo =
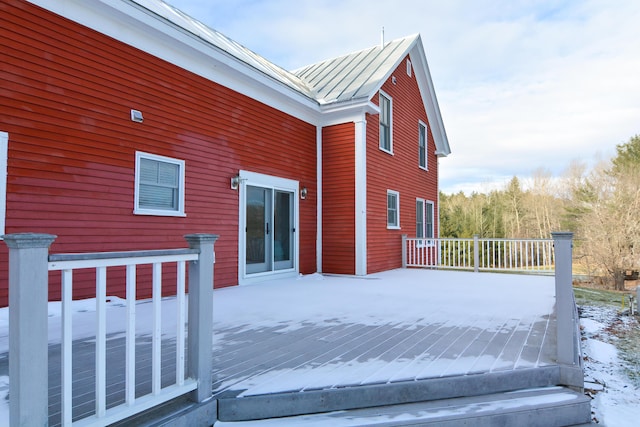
x=424 y=219
x=409 y=67
x=393 y=209
x=159 y=185
x=386 y=121
x=422 y=145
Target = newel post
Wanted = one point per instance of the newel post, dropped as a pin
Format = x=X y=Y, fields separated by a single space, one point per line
x=200 y=342
x=562 y=243
x=476 y=253
x=28 y=330
x=404 y=251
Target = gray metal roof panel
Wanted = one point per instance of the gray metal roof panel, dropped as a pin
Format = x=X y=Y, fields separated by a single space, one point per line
x=222 y=42
x=356 y=75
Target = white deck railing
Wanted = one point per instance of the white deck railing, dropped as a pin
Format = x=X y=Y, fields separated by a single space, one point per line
x=29 y=267
x=518 y=255
x=66 y=263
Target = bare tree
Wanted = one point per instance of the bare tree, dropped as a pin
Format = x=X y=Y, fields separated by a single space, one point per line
x=608 y=206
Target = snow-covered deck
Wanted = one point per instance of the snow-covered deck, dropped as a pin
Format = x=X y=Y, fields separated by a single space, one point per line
x=323 y=333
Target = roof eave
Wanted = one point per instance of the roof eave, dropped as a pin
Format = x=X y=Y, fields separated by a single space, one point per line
x=346 y=111
x=429 y=98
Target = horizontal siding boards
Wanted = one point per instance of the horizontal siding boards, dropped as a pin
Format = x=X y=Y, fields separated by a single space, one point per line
x=66 y=107
x=399 y=172
x=338 y=199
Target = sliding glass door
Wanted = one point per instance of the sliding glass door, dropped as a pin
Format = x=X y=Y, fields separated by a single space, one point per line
x=269 y=231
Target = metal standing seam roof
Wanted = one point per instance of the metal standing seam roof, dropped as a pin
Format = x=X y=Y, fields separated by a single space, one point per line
x=356 y=75
x=224 y=43
x=353 y=76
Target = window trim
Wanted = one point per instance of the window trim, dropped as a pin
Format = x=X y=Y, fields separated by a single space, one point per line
x=382 y=95
x=181 y=186
x=425 y=224
x=420 y=226
x=395 y=226
x=423 y=125
x=409 y=67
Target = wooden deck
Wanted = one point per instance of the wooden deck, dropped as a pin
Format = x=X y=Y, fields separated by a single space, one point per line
x=319 y=334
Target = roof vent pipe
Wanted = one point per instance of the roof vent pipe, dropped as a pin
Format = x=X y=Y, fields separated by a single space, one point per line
x=382 y=39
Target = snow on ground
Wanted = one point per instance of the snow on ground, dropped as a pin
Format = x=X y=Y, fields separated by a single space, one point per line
x=616 y=400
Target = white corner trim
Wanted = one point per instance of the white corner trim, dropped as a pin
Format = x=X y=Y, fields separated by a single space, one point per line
x=361 y=195
x=319 y=199
x=4 y=146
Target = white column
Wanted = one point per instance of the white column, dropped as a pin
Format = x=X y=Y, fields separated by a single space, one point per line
x=564 y=298
x=200 y=328
x=361 y=196
x=319 y=199
x=28 y=330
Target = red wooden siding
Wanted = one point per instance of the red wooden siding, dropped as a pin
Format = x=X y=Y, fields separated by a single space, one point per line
x=399 y=172
x=65 y=101
x=338 y=199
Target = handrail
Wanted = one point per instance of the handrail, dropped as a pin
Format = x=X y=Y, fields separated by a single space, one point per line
x=29 y=266
x=486 y=254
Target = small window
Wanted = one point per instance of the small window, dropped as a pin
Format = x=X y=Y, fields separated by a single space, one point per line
x=4 y=145
x=386 y=144
x=393 y=209
x=159 y=185
x=409 y=67
x=422 y=145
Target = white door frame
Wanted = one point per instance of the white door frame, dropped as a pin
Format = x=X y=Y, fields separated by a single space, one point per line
x=274 y=183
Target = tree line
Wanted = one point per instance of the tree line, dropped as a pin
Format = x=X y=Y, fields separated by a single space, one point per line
x=599 y=204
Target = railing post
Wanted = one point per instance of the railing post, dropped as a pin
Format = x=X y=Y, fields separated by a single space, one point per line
x=200 y=343
x=476 y=253
x=28 y=329
x=404 y=251
x=562 y=242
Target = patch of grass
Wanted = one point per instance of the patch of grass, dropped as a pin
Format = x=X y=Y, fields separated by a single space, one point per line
x=600 y=297
x=623 y=328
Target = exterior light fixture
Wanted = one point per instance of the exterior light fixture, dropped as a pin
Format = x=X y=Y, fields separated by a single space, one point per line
x=303 y=193
x=235 y=182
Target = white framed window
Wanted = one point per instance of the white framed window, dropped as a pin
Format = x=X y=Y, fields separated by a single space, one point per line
x=386 y=123
x=424 y=219
x=393 y=209
x=409 y=67
x=4 y=146
x=422 y=145
x=159 y=185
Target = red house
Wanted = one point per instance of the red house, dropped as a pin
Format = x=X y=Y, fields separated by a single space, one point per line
x=125 y=125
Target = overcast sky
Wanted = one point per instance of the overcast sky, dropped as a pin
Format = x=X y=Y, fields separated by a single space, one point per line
x=522 y=85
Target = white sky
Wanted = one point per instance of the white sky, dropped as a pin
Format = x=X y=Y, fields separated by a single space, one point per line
x=522 y=85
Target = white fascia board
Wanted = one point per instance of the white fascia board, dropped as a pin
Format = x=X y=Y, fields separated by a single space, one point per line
x=134 y=25
x=429 y=99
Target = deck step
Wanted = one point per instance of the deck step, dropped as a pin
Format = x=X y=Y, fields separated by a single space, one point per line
x=245 y=408
x=540 y=407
